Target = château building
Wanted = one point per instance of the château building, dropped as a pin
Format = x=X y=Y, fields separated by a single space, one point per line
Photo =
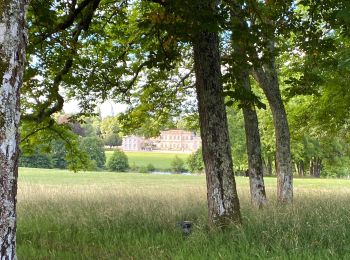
x=170 y=140
x=178 y=140
x=133 y=143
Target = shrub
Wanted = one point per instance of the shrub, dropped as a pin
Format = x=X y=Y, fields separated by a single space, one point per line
x=150 y=167
x=118 y=161
x=177 y=165
x=133 y=167
x=195 y=162
x=142 y=169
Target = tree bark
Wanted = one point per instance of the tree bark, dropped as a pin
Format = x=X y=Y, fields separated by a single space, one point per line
x=255 y=163
x=315 y=167
x=301 y=168
x=12 y=57
x=312 y=167
x=223 y=202
x=267 y=78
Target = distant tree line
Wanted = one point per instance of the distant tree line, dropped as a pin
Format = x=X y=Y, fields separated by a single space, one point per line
x=92 y=135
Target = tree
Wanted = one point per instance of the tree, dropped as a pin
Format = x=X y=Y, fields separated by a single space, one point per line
x=59 y=154
x=267 y=76
x=173 y=24
x=94 y=147
x=268 y=80
x=223 y=203
x=38 y=159
x=259 y=22
x=255 y=164
x=12 y=56
x=109 y=128
x=112 y=140
x=239 y=89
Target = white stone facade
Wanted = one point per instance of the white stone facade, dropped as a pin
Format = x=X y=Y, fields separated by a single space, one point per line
x=171 y=140
x=133 y=143
x=178 y=140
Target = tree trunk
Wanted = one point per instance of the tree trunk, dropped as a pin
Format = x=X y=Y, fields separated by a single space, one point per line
x=301 y=168
x=315 y=167
x=296 y=168
x=255 y=163
x=268 y=80
x=319 y=167
x=312 y=167
x=12 y=56
x=223 y=203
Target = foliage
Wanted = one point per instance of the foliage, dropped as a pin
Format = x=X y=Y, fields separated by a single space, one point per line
x=38 y=159
x=195 y=162
x=178 y=165
x=90 y=125
x=59 y=153
x=237 y=138
x=142 y=169
x=94 y=147
x=118 y=161
x=46 y=135
x=150 y=167
x=112 y=140
x=109 y=128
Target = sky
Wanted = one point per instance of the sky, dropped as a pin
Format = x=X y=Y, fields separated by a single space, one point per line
x=108 y=108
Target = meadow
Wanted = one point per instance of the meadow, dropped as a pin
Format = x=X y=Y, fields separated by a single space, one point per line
x=100 y=215
x=161 y=160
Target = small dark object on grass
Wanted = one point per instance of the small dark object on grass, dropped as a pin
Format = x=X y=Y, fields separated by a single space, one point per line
x=186 y=227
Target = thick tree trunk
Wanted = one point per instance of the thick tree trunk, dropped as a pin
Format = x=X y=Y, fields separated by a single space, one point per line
x=12 y=56
x=255 y=163
x=223 y=203
x=268 y=80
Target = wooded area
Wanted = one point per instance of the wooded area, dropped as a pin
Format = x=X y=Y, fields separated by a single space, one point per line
x=283 y=63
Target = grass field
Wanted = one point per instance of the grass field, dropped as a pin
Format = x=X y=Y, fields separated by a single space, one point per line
x=161 y=161
x=65 y=215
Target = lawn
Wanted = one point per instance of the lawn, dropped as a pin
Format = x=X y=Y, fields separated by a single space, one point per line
x=64 y=215
x=161 y=161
